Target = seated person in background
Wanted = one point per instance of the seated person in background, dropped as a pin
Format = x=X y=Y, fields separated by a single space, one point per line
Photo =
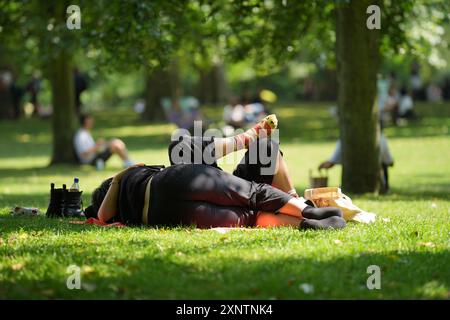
x=385 y=158
x=258 y=108
x=97 y=153
x=183 y=112
x=254 y=112
x=391 y=104
x=406 y=105
x=234 y=114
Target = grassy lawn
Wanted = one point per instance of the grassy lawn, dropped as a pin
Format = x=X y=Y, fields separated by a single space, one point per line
x=409 y=241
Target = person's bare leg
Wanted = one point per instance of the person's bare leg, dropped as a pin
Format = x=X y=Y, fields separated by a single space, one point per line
x=328 y=215
x=118 y=147
x=282 y=180
x=294 y=208
x=269 y=220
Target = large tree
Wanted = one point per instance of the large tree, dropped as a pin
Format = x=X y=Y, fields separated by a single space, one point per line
x=357 y=53
x=59 y=70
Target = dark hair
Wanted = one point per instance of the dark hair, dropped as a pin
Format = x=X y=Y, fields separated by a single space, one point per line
x=403 y=91
x=83 y=118
x=99 y=194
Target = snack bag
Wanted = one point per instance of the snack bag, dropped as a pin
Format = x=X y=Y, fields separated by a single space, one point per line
x=333 y=197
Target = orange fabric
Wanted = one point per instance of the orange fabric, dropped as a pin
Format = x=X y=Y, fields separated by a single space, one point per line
x=99 y=223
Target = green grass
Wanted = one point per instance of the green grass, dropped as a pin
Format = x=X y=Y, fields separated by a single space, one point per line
x=409 y=241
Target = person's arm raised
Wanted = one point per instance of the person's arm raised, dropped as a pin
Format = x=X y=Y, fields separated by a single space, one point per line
x=108 y=208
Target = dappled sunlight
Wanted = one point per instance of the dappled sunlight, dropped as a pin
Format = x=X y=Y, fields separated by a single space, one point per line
x=139 y=131
x=411 y=226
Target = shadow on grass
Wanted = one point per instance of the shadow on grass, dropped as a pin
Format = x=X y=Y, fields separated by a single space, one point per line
x=51 y=171
x=10 y=224
x=34 y=149
x=167 y=276
x=435 y=191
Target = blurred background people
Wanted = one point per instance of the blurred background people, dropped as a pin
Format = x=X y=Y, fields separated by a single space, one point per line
x=446 y=89
x=406 y=105
x=33 y=88
x=81 y=84
x=234 y=114
x=183 y=111
x=10 y=95
x=250 y=109
x=97 y=152
x=391 y=104
x=416 y=81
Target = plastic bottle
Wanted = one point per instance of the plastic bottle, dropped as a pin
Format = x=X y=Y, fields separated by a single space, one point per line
x=75 y=186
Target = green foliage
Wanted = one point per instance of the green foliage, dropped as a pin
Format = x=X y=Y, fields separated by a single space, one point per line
x=134 y=34
x=273 y=32
x=118 y=34
x=414 y=28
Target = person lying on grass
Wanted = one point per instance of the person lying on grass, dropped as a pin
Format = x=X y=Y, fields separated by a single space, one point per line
x=203 y=195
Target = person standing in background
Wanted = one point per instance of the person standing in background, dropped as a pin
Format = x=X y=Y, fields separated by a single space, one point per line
x=386 y=161
x=33 y=87
x=81 y=84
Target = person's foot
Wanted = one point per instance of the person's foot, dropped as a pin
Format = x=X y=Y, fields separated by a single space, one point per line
x=128 y=163
x=100 y=164
x=324 y=224
x=321 y=213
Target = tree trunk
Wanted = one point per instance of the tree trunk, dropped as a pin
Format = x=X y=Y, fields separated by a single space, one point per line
x=204 y=85
x=357 y=53
x=212 y=86
x=221 y=90
x=160 y=83
x=63 y=100
x=6 y=95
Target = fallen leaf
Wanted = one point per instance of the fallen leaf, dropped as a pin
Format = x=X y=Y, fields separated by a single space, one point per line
x=306 y=288
x=48 y=292
x=120 y=262
x=221 y=230
x=427 y=244
x=24 y=138
x=255 y=290
x=77 y=222
x=87 y=269
x=337 y=241
x=17 y=266
x=12 y=239
x=88 y=286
